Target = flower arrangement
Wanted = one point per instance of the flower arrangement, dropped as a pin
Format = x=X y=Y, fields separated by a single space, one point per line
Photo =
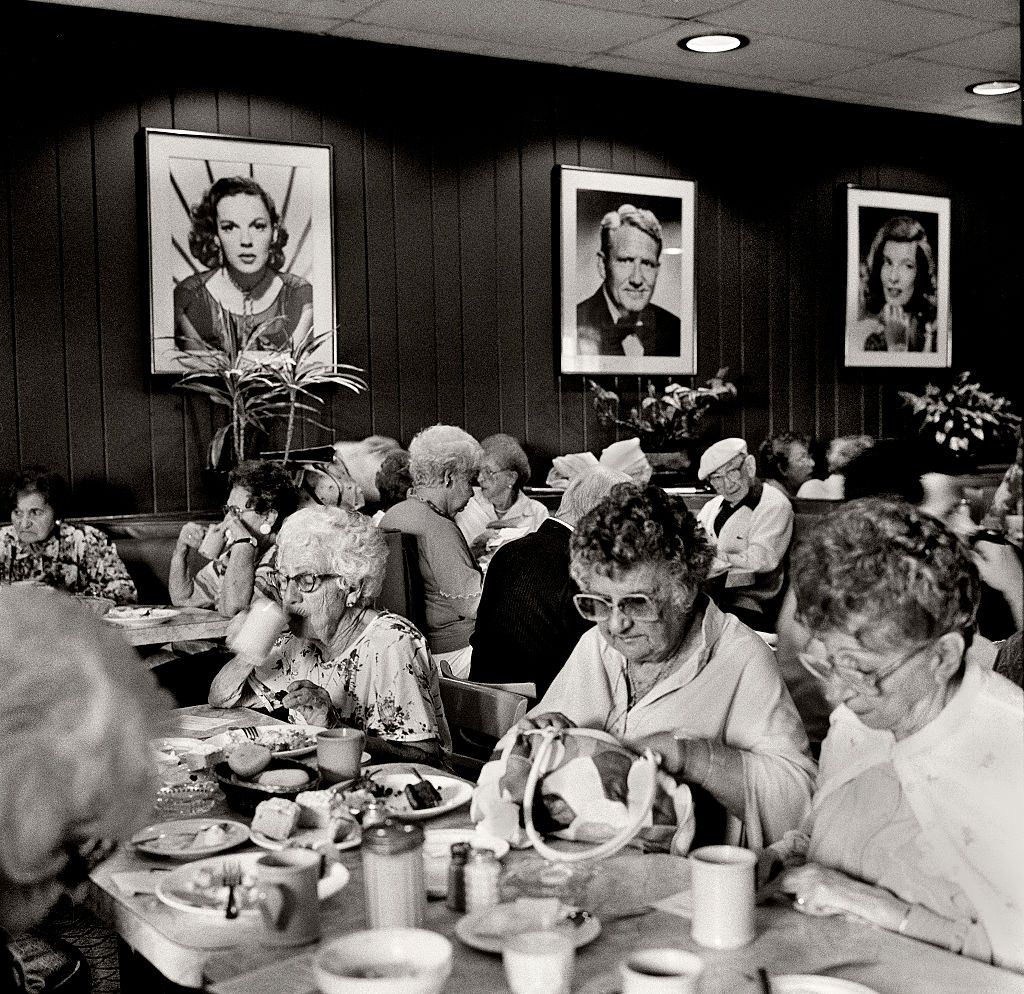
x=962 y=418
x=673 y=417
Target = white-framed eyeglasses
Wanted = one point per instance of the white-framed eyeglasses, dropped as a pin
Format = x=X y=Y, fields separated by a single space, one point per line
x=848 y=668
x=306 y=582
x=637 y=607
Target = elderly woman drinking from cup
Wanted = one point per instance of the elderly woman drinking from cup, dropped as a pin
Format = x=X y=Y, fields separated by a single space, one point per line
x=37 y=546
x=667 y=670
x=499 y=511
x=240 y=547
x=342 y=662
x=443 y=462
x=915 y=825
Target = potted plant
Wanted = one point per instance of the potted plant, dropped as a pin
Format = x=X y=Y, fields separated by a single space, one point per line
x=668 y=423
x=964 y=422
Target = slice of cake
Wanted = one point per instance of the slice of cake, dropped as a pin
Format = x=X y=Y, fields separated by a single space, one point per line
x=318 y=807
x=276 y=818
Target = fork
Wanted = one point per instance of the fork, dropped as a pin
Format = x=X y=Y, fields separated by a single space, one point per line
x=232 y=878
x=249 y=731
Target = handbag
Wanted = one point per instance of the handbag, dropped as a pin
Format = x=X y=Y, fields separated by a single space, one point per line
x=583 y=785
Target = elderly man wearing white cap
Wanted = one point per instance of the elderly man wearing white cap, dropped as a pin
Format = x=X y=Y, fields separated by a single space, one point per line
x=751 y=526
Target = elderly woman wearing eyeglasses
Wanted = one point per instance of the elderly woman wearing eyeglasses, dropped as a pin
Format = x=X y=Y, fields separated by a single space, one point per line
x=342 y=662
x=916 y=823
x=665 y=669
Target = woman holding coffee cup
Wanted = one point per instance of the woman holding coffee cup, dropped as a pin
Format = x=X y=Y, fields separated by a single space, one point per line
x=342 y=661
x=240 y=547
x=915 y=824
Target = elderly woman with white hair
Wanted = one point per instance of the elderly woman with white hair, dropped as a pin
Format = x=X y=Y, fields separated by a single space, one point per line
x=77 y=713
x=342 y=662
x=499 y=512
x=443 y=462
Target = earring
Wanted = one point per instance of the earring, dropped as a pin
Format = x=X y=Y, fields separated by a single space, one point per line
x=265 y=528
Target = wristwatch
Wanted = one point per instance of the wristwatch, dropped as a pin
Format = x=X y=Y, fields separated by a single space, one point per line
x=245 y=540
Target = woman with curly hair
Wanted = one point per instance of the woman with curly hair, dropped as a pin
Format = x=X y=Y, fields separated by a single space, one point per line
x=785 y=461
x=342 y=662
x=239 y=548
x=238 y=236
x=499 y=512
x=915 y=825
x=900 y=293
x=443 y=463
x=665 y=669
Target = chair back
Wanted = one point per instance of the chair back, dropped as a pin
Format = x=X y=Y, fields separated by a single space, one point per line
x=478 y=715
x=402 y=591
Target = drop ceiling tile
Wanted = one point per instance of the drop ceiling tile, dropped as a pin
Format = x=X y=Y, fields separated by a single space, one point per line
x=998 y=51
x=654 y=8
x=1002 y=114
x=787 y=59
x=817 y=91
x=337 y=9
x=1003 y=11
x=907 y=78
x=877 y=25
x=414 y=39
x=706 y=77
x=529 y=23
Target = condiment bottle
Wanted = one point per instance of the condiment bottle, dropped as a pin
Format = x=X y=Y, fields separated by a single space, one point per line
x=374 y=812
x=482 y=872
x=457 y=878
x=393 y=875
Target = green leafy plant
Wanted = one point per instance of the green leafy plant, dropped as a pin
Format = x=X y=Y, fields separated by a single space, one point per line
x=673 y=416
x=258 y=383
x=962 y=417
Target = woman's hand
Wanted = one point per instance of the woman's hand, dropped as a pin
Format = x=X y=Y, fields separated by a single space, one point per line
x=998 y=565
x=550 y=719
x=191 y=535
x=896 y=323
x=310 y=701
x=479 y=546
x=820 y=891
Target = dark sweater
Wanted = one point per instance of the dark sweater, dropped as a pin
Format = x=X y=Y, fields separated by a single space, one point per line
x=527 y=625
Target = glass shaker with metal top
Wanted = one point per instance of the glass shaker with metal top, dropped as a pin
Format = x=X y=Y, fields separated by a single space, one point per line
x=393 y=875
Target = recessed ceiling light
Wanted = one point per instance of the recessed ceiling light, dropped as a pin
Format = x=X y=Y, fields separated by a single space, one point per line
x=995 y=87
x=713 y=43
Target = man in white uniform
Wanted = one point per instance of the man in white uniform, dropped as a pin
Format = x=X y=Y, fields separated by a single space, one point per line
x=750 y=526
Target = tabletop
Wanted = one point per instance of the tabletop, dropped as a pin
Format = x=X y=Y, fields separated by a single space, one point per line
x=191 y=623
x=200 y=952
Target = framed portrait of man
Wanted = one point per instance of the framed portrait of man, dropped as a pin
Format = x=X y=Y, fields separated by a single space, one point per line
x=626 y=273
x=897 y=279
x=240 y=246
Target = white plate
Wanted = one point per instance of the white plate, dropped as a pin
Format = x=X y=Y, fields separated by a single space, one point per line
x=465 y=929
x=611 y=983
x=177 y=887
x=301 y=835
x=268 y=735
x=176 y=833
x=437 y=853
x=140 y=617
x=454 y=792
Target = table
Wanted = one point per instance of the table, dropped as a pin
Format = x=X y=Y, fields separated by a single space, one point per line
x=192 y=623
x=195 y=951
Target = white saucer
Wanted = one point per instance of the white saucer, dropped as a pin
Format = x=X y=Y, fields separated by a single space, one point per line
x=465 y=929
x=796 y=983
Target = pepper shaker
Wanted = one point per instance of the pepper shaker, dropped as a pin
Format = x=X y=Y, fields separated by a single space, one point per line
x=457 y=878
x=393 y=875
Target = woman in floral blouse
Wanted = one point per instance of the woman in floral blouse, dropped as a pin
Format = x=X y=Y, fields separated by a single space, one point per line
x=37 y=546
x=343 y=662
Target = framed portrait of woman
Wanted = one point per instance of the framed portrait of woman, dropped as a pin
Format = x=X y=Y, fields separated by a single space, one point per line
x=626 y=273
x=897 y=279
x=240 y=246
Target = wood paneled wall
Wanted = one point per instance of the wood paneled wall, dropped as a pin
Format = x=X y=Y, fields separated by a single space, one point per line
x=443 y=233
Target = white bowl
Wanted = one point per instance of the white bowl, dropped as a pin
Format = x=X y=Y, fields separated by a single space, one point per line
x=347 y=965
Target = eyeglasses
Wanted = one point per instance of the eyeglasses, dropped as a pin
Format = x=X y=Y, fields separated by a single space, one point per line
x=233 y=509
x=306 y=582
x=731 y=475
x=489 y=474
x=636 y=607
x=847 y=668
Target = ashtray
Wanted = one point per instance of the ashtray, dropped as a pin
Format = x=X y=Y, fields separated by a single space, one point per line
x=568 y=882
x=195 y=795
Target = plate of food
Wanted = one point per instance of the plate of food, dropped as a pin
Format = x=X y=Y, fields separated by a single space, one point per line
x=199 y=887
x=286 y=741
x=315 y=818
x=406 y=792
x=137 y=616
x=190 y=838
x=490 y=928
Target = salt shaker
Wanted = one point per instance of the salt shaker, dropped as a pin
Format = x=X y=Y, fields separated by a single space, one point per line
x=393 y=875
x=482 y=872
x=457 y=878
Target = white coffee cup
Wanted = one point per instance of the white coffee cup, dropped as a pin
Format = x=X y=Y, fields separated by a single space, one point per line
x=260 y=630
x=213 y=542
x=660 y=971
x=539 y=962
x=722 y=878
x=338 y=753
x=288 y=899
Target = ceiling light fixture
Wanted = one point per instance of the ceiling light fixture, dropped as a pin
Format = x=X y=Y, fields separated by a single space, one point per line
x=994 y=87
x=713 y=44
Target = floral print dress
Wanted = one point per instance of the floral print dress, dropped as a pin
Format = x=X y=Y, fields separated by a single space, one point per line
x=77 y=558
x=385 y=683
